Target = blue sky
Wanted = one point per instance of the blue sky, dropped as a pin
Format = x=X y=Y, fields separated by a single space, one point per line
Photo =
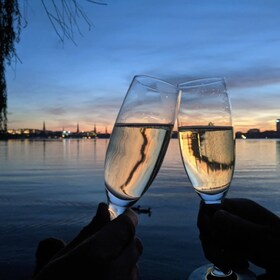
x=176 y=40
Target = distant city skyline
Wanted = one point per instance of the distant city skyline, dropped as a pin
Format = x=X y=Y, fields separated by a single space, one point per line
x=42 y=134
x=180 y=40
x=104 y=129
x=77 y=128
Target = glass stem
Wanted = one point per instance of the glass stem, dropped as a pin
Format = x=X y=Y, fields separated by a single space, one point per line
x=115 y=210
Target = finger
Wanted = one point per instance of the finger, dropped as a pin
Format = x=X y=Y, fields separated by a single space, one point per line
x=205 y=216
x=259 y=244
x=46 y=249
x=75 y=265
x=252 y=211
x=109 y=242
x=97 y=251
x=132 y=216
x=255 y=242
x=130 y=254
x=123 y=267
x=101 y=218
x=135 y=273
x=234 y=229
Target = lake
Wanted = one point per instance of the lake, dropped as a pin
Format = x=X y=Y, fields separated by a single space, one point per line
x=52 y=188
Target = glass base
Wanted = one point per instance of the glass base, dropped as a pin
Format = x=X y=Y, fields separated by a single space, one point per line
x=204 y=273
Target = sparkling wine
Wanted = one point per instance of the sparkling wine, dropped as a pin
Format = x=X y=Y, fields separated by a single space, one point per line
x=133 y=158
x=208 y=156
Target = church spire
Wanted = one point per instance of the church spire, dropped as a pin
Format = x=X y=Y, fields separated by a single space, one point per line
x=94 y=130
x=78 y=128
x=44 y=127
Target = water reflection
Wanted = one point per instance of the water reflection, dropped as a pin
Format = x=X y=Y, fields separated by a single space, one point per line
x=44 y=149
x=78 y=148
x=94 y=150
x=255 y=154
x=52 y=186
x=277 y=149
x=4 y=151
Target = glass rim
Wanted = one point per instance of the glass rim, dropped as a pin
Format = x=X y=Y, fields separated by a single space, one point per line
x=140 y=79
x=201 y=82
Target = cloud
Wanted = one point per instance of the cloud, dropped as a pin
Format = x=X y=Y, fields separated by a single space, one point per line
x=87 y=112
x=244 y=77
x=256 y=76
x=55 y=110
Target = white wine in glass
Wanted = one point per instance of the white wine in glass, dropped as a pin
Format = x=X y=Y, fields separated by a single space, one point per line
x=208 y=156
x=139 y=140
x=207 y=148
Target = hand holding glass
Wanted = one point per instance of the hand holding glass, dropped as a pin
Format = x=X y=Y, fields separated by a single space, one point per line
x=139 y=141
x=207 y=143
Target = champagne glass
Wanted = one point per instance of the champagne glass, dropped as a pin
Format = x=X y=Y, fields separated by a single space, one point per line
x=139 y=140
x=207 y=148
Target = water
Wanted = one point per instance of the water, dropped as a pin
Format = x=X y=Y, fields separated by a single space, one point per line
x=52 y=188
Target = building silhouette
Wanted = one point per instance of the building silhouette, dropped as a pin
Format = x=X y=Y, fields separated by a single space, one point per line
x=44 y=127
x=278 y=125
x=94 y=130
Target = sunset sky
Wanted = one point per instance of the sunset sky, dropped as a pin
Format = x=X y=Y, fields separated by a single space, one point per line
x=64 y=84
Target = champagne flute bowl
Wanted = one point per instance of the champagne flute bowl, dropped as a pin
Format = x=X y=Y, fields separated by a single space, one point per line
x=207 y=148
x=139 y=140
x=206 y=137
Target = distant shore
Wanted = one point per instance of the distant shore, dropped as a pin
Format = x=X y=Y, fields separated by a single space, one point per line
x=256 y=134
x=251 y=134
x=54 y=136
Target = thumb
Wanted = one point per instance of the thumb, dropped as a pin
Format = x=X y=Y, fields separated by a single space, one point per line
x=101 y=218
x=109 y=242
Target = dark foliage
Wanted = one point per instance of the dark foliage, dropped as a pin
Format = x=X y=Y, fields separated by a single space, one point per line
x=9 y=35
x=64 y=17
